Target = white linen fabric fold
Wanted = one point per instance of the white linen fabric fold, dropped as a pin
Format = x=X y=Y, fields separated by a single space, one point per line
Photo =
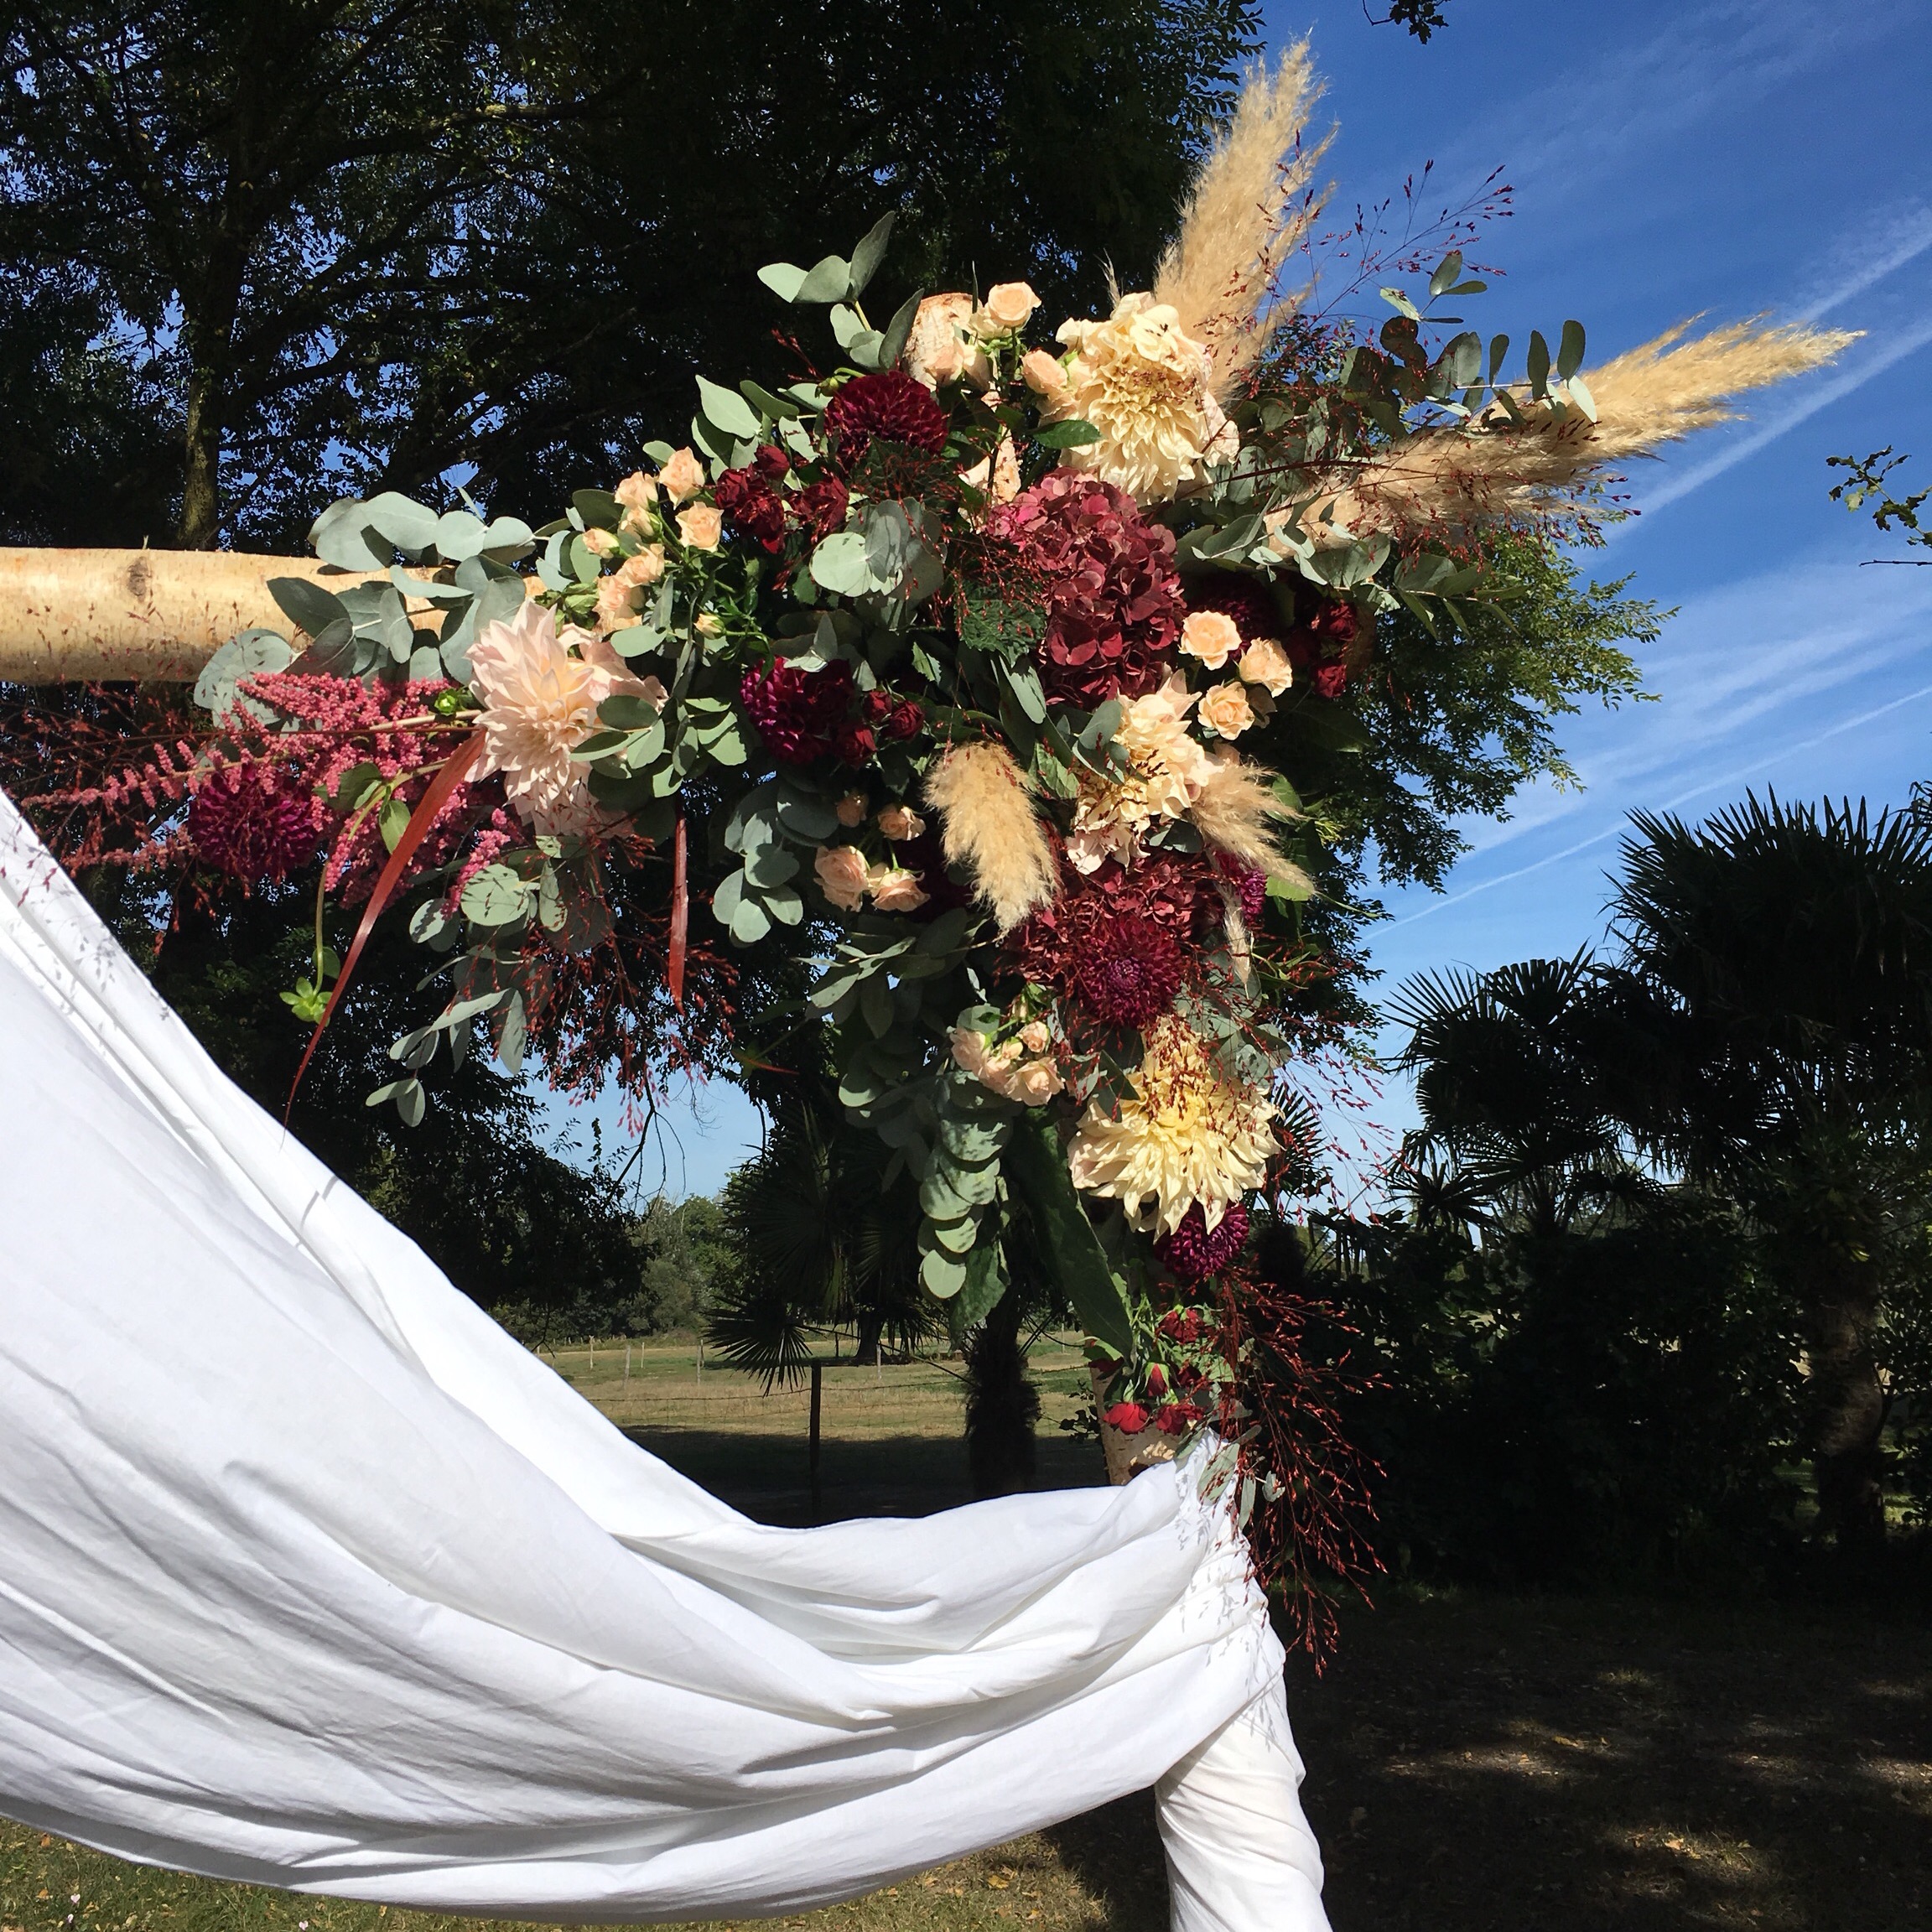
x=310 y=1576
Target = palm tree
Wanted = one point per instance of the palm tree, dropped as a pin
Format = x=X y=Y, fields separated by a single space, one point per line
x=1520 y=1126
x=1779 y=961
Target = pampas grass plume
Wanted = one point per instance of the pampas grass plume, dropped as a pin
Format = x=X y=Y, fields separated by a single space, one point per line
x=1646 y=397
x=1236 y=811
x=989 y=825
x=1245 y=215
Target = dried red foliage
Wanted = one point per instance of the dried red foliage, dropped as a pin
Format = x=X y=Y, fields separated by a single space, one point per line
x=1283 y=1408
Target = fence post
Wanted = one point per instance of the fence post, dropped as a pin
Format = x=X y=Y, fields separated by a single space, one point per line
x=817 y=1392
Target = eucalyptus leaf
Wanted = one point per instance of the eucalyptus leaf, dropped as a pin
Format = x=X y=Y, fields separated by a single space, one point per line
x=727 y=409
x=867 y=256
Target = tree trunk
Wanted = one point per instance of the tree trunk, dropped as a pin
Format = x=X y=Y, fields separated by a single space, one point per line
x=870 y=1324
x=1848 y=1407
x=201 y=525
x=1002 y=1405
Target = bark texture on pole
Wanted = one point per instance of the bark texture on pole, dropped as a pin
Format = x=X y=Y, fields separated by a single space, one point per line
x=155 y=614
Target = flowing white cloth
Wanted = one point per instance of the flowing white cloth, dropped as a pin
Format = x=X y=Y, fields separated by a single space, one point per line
x=310 y=1576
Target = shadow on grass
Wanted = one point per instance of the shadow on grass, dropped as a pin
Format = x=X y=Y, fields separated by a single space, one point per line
x=1115 y=1855
x=1608 y=1768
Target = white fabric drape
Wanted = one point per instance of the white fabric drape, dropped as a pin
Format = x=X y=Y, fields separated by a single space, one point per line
x=310 y=1576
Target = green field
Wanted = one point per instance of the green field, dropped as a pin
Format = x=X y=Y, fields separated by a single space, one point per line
x=1476 y=1763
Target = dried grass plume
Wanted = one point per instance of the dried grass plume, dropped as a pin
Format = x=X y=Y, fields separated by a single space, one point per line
x=1499 y=471
x=1237 y=812
x=1245 y=215
x=988 y=824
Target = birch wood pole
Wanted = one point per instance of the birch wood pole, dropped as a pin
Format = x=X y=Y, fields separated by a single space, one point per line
x=153 y=614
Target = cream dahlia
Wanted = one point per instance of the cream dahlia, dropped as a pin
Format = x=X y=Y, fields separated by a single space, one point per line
x=540 y=704
x=1187 y=1136
x=1144 y=386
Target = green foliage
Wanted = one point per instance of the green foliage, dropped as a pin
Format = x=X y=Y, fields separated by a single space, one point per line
x=1604 y=1405
x=1868 y=483
x=476 y=233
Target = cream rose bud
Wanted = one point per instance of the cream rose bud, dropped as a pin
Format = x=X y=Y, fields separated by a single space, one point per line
x=1007 y=307
x=1037 y=1082
x=900 y=822
x=1044 y=373
x=1034 y=1037
x=634 y=496
x=851 y=810
x=1212 y=636
x=599 y=542
x=701 y=526
x=894 y=889
x=1265 y=663
x=683 y=476
x=708 y=624
x=969 y=1051
x=841 y=871
x=1227 y=711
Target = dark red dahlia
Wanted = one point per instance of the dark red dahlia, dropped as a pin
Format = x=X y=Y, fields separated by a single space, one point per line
x=254 y=822
x=1191 y=1254
x=888 y=408
x=752 y=504
x=1129 y=971
x=1106 y=579
x=799 y=713
x=1174 y=890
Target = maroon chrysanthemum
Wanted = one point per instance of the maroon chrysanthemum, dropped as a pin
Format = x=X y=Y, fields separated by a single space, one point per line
x=1105 y=576
x=800 y=714
x=252 y=823
x=888 y=408
x=1131 y=971
x=1191 y=1254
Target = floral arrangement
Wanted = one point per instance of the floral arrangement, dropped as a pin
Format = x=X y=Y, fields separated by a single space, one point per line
x=952 y=668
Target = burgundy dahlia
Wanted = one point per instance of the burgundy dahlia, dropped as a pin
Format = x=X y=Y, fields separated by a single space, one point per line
x=800 y=714
x=1191 y=1254
x=1130 y=972
x=888 y=408
x=1106 y=578
x=254 y=821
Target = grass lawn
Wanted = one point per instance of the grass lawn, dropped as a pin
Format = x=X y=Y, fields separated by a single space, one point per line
x=1475 y=1763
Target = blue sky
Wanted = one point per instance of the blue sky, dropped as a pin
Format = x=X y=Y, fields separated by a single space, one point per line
x=1730 y=158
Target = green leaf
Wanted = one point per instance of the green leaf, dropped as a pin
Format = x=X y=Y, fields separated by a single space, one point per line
x=828 y=280
x=944 y=1274
x=1036 y=1166
x=782 y=279
x=899 y=331
x=495 y=896
x=624 y=711
x=251 y=654
x=1400 y=302
x=838 y=564
x=1538 y=365
x=392 y=820
x=514 y=1034
x=1073 y=433
x=867 y=256
x=727 y=410
x=1569 y=351
x=1498 y=348
x=1447 y=271
x=985 y=1283
x=309 y=607
x=749 y=922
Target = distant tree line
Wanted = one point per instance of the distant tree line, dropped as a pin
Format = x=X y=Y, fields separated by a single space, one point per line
x=1659 y=1296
